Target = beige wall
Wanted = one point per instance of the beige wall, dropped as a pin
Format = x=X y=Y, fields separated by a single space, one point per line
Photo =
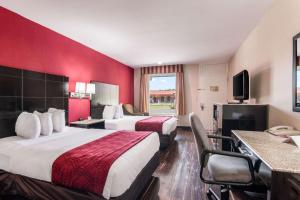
x=211 y=75
x=190 y=86
x=267 y=55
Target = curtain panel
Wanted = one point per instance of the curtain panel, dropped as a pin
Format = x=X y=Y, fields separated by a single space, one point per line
x=180 y=97
x=144 y=93
x=166 y=69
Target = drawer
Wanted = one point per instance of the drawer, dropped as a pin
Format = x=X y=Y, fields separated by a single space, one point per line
x=285 y=186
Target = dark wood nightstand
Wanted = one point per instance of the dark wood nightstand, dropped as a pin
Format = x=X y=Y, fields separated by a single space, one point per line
x=92 y=123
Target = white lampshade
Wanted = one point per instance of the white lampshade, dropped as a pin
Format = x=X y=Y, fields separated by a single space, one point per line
x=90 y=88
x=80 y=87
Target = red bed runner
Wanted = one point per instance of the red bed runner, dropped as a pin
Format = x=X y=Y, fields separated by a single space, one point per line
x=151 y=124
x=86 y=167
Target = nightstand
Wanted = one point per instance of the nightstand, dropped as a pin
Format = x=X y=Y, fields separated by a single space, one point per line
x=92 y=123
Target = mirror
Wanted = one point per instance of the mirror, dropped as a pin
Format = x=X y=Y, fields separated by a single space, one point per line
x=296 y=73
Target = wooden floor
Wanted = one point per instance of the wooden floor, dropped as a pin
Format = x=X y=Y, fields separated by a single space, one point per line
x=179 y=170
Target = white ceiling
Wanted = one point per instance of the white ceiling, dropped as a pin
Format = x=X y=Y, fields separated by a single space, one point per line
x=145 y=32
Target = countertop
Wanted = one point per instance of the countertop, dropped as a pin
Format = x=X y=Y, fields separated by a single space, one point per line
x=278 y=156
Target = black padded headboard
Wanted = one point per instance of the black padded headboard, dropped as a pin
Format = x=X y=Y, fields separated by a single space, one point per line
x=23 y=90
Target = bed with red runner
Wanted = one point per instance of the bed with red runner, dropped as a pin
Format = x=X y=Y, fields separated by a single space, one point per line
x=86 y=167
x=165 y=126
x=151 y=124
x=156 y=123
x=87 y=164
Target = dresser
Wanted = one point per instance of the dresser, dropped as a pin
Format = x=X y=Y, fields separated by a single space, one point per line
x=227 y=117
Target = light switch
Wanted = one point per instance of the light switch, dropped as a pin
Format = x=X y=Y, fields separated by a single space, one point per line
x=214 y=88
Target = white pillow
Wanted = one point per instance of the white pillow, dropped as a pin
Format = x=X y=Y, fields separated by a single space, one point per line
x=51 y=110
x=58 y=119
x=109 y=112
x=118 y=111
x=28 y=125
x=46 y=122
x=121 y=111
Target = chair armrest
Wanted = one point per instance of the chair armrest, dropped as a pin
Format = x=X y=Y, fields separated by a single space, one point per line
x=220 y=137
x=231 y=154
x=146 y=114
x=135 y=114
x=230 y=139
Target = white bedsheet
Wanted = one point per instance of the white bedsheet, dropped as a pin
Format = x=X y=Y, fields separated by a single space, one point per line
x=34 y=157
x=128 y=123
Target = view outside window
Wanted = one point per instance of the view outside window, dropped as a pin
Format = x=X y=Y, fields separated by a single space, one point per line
x=162 y=94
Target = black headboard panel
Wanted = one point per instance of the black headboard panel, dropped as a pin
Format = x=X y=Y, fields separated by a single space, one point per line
x=23 y=90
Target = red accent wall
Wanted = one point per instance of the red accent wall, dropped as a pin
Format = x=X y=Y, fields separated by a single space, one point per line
x=28 y=45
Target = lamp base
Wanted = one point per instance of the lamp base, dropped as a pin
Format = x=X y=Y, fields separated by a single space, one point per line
x=76 y=95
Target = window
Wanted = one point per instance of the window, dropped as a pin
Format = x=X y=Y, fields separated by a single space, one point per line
x=162 y=90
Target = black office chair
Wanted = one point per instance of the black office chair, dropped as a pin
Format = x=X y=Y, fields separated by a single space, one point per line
x=225 y=168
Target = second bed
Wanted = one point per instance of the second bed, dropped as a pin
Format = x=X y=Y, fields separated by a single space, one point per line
x=167 y=131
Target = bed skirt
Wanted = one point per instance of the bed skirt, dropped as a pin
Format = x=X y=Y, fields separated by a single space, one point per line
x=144 y=187
x=167 y=140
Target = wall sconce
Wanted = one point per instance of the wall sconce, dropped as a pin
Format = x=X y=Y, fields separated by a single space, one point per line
x=80 y=87
x=83 y=90
x=79 y=91
x=90 y=89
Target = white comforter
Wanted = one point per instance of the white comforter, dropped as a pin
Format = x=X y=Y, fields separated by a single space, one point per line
x=34 y=157
x=128 y=123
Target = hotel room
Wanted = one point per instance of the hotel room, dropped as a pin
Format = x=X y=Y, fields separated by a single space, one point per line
x=150 y=100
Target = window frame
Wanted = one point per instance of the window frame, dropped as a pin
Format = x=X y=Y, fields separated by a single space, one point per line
x=149 y=103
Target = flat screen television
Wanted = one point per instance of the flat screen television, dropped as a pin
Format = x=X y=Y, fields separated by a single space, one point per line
x=241 y=86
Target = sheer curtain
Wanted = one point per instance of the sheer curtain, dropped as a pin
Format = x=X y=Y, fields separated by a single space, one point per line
x=144 y=87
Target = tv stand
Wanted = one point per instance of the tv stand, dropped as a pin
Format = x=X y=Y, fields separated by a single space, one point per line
x=237 y=102
x=227 y=117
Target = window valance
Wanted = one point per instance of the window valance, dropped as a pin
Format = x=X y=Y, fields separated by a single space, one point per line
x=165 y=69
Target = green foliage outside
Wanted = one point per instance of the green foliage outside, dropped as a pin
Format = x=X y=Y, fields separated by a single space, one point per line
x=162 y=106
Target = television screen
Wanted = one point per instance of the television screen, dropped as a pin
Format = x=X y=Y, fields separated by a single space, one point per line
x=241 y=86
x=238 y=83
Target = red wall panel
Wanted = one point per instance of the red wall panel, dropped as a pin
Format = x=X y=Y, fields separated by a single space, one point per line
x=28 y=45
